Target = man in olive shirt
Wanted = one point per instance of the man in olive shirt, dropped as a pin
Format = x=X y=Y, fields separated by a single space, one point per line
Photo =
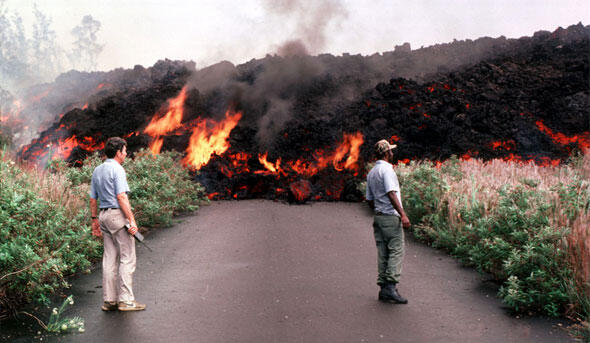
x=109 y=188
x=384 y=198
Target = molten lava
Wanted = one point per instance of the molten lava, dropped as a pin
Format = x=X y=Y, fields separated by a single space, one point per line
x=507 y=145
x=301 y=189
x=583 y=140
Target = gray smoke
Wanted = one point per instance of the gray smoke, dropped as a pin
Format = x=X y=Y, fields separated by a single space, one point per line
x=267 y=88
x=293 y=48
x=311 y=20
x=276 y=82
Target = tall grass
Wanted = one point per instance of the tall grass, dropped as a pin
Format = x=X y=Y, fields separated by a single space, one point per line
x=525 y=224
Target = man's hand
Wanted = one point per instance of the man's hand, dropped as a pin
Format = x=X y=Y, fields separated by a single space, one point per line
x=96 y=228
x=132 y=229
x=406 y=222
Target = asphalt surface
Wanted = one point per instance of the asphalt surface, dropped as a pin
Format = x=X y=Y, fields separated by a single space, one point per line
x=262 y=271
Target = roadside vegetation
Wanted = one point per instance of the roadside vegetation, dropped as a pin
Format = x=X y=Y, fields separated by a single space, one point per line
x=527 y=226
x=45 y=233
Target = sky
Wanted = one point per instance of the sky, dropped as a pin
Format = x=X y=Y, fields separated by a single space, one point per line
x=208 y=31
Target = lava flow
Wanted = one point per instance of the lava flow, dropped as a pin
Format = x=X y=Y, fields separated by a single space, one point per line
x=582 y=140
x=318 y=175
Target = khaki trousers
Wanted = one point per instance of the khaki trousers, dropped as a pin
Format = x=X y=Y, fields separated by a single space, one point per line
x=389 y=237
x=118 y=259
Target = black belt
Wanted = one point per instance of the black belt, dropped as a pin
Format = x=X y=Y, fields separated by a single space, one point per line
x=383 y=214
x=108 y=208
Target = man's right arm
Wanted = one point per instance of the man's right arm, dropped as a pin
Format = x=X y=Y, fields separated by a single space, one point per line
x=398 y=207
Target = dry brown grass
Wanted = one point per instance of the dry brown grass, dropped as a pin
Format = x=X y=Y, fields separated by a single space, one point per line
x=55 y=188
x=482 y=180
x=578 y=248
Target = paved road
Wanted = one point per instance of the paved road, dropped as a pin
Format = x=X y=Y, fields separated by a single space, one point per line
x=261 y=271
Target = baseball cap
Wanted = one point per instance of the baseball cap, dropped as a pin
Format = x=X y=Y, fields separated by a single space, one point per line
x=383 y=145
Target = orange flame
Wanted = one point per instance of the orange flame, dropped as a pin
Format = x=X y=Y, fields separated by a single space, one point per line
x=65 y=146
x=206 y=141
x=303 y=168
x=350 y=146
x=171 y=120
x=64 y=149
x=160 y=126
x=271 y=167
x=156 y=145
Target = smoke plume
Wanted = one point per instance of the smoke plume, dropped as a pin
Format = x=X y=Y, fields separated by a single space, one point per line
x=311 y=21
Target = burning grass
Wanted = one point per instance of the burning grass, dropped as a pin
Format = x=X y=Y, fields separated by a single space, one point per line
x=526 y=225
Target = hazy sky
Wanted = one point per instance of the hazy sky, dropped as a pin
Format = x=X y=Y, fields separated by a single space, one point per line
x=207 y=31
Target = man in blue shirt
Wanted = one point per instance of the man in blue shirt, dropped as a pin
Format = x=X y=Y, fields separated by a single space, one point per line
x=384 y=198
x=109 y=189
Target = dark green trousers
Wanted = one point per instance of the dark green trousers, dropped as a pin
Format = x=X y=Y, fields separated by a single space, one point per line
x=389 y=236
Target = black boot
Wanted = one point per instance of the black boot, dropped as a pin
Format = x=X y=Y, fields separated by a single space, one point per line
x=389 y=294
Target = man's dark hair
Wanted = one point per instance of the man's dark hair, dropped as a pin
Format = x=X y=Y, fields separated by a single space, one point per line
x=113 y=145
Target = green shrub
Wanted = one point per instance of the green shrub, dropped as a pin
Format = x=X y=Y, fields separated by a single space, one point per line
x=44 y=219
x=422 y=189
x=160 y=186
x=40 y=241
x=509 y=231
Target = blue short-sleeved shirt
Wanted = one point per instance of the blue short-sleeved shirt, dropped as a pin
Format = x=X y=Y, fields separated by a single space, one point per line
x=108 y=180
x=380 y=181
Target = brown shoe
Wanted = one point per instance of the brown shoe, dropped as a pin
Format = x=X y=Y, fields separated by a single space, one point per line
x=110 y=306
x=131 y=306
